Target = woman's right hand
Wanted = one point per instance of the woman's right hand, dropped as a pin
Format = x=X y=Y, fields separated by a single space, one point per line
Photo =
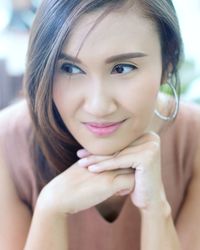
x=77 y=189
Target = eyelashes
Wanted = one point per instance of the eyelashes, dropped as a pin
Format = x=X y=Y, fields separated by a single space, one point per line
x=123 y=69
x=72 y=69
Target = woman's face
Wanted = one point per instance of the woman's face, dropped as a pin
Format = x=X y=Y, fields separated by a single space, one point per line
x=106 y=86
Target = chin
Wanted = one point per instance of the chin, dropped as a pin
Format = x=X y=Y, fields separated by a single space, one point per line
x=102 y=149
x=98 y=151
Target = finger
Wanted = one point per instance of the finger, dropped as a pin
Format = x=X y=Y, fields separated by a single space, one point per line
x=124 y=171
x=93 y=159
x=123 y=182
x=121 y=162
x=81 y=153
x=124 y=192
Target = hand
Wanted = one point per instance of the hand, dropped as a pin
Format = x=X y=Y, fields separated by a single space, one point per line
x=143 y=155
x=77 y=189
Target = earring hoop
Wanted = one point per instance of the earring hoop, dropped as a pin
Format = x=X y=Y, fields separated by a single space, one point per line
x=174 y=114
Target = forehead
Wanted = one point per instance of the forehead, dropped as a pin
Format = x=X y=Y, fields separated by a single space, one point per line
x=116 y=30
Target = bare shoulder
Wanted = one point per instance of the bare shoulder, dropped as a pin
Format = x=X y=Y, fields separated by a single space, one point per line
x=15 y=217
x=15 y=125
x=189 y=108
x=190 y=115
x=14 y=112
x=196 y=169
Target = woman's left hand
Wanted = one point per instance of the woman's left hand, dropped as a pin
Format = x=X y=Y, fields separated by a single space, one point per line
x=143 y=156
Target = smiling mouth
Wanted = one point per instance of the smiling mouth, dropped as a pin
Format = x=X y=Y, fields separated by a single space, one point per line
x=103 y=129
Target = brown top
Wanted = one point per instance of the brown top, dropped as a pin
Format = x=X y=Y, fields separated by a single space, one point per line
x=88 y=230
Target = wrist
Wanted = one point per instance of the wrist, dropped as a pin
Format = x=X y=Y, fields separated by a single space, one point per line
x=158 y=207
x=47 y=204
x=157 y=228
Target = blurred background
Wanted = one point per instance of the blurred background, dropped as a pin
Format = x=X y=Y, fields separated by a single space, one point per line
x=16 y=17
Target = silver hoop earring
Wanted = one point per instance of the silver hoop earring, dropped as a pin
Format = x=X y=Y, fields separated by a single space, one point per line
x=174 y=114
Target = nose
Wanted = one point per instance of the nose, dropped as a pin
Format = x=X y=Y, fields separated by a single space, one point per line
x=100 y=100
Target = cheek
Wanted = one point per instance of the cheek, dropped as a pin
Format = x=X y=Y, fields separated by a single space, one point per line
x=58 y=98
x=142 y=106
x=61 y=97
x=141 y=98
x=67 y=87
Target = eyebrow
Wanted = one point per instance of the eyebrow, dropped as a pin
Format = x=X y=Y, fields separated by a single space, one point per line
x=66 y=57
x=126 y=56
x=111 y=59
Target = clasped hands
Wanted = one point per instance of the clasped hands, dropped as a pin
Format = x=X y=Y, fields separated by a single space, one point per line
x=143 y=158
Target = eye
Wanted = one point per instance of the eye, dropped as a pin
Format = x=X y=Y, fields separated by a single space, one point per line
x=71 y=69
x=123 y=68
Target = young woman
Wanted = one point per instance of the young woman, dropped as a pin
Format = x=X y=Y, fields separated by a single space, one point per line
x=95 y=157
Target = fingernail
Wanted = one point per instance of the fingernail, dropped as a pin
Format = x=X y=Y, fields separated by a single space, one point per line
x=83 y=162
x=82 y=153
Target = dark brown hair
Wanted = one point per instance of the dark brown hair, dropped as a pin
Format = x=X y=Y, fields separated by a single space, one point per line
x=54 y=147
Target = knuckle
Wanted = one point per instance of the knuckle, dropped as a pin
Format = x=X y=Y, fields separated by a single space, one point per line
x=153 y=137
x=122 y=182
x=153 y=149
x=154 y=143
x=147 y=138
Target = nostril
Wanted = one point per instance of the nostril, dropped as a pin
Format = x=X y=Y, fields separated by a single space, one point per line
x=100 y=106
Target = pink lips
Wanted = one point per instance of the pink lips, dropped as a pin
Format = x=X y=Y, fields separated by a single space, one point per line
x=103 y=129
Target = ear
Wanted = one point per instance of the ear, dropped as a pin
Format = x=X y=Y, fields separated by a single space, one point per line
x=167 y=73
